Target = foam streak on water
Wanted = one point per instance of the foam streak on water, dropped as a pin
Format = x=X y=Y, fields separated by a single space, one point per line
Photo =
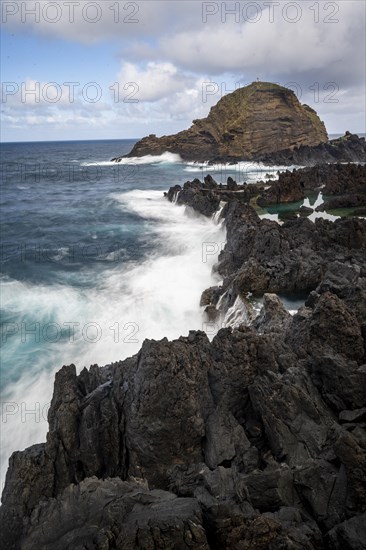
x=164 y=158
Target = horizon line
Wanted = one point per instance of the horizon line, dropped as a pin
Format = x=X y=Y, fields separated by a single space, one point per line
x=127 y=139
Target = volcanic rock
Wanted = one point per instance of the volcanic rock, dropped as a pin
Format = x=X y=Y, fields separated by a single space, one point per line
x=259 y=119
x=192 y=444
x=346 y=182
x=253 y=440
x=348 y=148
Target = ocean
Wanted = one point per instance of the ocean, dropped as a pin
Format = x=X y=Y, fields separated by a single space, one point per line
x=94 y=260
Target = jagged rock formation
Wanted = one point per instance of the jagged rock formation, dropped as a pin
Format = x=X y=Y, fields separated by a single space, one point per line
x=345 y=182
x=255 y=440
x=342 y=185
x=348 y=148
x=259 y=119
x=205 y=197
x=112 y=513
x=262 y=256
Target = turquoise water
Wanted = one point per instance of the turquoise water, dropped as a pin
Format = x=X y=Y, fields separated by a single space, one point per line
x=94 y=260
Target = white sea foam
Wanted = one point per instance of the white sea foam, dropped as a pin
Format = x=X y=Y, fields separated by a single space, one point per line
x=318 y=201
x=324 y=215
x=164 y=158
x=199 y=169
x=99 y=163
x=249 y=172
x=236 y=315
x=155 y=298
x=316 y=215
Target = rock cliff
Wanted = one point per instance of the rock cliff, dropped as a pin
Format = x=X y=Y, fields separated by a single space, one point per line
x=347 y=148
x=259 y=119
x=342 y=182
x=255 y=440
x=261 y=255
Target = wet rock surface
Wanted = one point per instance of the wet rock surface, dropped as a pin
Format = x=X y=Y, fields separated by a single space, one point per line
x=344 y=185
x=205 y=197
x=348 y=148
x=254 y=440
x=262 y=256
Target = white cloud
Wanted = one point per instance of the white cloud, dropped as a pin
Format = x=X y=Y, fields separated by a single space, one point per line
x=171 y=51
x=37 y=104
x=154 y=82
x=92 y=21
x=278 y=46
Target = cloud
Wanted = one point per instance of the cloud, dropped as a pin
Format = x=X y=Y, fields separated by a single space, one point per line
x=173 y=48
x=276 y=36
x=274 y=46
x=154 y=82
x=51 y=106
x=90 y=22
x=167 y=98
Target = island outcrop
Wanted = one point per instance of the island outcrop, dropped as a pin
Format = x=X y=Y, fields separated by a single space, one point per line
x=256 y=120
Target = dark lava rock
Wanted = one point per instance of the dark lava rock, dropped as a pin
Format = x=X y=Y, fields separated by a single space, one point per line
x=262 y=256
x=253 y=440
x=173 y=192
x=209 y=182
x=231 y=184
x=305 y=210
x=345 y=182
x=204 y=445
x=208 y=296
x=348 y=148
x=205 y=197
x=353 y=416
x=112 y=513
x=348 y=535
x=194 y=194
x=273 y=316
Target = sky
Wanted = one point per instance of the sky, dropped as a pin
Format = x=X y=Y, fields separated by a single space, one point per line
x=113 y=69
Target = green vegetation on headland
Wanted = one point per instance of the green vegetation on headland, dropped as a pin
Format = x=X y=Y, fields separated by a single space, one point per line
x=256 y=120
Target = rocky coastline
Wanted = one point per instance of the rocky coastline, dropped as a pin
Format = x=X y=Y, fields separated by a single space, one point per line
x=262 y=256
x=347 y=148
x=342 y=185
x=259 y=119
x=262 y=122
x=254 y=440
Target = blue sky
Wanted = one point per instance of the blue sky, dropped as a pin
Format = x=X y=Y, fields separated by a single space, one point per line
x=171 y=61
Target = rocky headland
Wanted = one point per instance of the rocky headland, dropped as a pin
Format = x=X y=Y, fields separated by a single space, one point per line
x=255 y=120
x=260 y=122
x=254 y=440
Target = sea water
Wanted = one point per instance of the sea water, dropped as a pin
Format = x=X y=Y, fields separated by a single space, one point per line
x=94 y=260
